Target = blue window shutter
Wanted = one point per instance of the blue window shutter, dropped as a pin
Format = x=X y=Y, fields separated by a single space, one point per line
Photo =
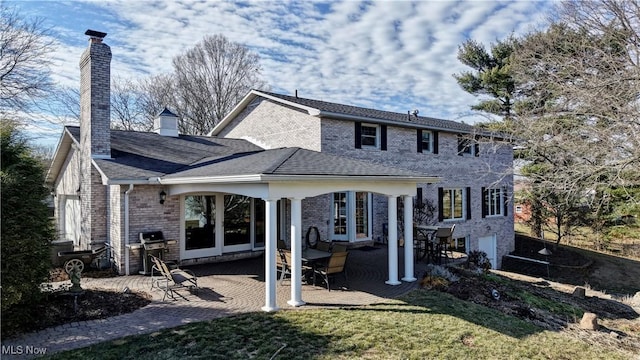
x=476 y=149
x=383 y=137
x=358 y=132
x=435 y=142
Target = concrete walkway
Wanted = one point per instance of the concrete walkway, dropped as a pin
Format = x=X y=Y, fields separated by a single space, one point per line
x=226 y=289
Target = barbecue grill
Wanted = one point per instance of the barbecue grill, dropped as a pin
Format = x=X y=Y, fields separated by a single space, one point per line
x=153 y=243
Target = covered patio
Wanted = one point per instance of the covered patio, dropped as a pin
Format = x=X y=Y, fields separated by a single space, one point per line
x=296 y=174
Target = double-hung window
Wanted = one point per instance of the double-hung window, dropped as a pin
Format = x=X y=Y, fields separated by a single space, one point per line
x=467 y=146
x=452 y=202
x=493 y=202
x=494 y=197
x=370 y=136
x=427 y=141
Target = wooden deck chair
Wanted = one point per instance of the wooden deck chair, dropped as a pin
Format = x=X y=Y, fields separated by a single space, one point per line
x=170 y=280
x=335 y=265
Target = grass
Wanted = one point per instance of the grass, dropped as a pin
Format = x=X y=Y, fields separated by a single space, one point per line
x=539 y=302
x=423 y=324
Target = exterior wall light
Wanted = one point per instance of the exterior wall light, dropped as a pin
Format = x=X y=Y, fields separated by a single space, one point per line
x=163 y=197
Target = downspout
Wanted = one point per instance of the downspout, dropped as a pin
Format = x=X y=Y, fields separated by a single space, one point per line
x=126 y=228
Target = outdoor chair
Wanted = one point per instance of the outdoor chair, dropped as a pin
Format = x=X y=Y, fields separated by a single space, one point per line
x=283 y=264
x=323 y=246
x=335 y=265
x=338 y=248
x=170 y=280
x=283 y=261
x=445 y=237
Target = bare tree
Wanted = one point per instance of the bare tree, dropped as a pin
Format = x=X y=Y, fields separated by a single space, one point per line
x=578 y=113
x=127 y=112
x=210 y=79
x=64 y=104
x=24 y=65
x=156 y=93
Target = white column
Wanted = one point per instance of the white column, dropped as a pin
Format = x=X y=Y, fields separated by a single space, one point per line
x=393 y=241
x=408 y=239
x=296 y=253
x=270 y=275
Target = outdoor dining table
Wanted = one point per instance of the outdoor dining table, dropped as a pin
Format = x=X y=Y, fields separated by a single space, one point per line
x=312 y=257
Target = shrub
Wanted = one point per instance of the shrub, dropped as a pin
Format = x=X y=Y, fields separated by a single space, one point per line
x=478 y=261
x=437 y=277
x=26 y=231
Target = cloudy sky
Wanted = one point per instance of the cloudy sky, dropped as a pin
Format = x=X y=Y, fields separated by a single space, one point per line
x=390 y=55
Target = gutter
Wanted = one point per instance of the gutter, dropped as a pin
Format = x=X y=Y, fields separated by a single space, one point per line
x=261 y=178
x=126 y=228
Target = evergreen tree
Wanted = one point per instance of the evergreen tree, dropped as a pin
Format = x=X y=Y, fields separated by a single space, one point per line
x=491 y=76
x=26 y=230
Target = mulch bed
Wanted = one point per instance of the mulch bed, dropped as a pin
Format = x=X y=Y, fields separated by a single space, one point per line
x=60 y=306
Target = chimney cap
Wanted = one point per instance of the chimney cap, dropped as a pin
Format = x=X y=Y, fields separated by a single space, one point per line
x=95 y=34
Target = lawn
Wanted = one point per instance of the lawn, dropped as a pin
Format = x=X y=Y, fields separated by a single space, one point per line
x=422 y=325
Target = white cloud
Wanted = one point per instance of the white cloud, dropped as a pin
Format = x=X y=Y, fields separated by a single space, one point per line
x=393 y=55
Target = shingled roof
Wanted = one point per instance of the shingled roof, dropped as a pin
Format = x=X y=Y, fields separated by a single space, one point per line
x=141 y=156
x=337 y=111
x=289 y=162
x=329 y=109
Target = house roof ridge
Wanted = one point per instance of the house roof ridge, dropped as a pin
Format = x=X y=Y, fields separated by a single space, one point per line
x=395 y=113
x=289 y=152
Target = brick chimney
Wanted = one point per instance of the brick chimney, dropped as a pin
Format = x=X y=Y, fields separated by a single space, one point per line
x=95 y=97
x=95 y=136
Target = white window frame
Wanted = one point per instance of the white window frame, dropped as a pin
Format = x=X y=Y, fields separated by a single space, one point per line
x=452 y=204
x=429 y=143
x=469 y=148
x=496 y=202
x=363 y=136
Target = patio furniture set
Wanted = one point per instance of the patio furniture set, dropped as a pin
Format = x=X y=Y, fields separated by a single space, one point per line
x=324 y=261
x=433 y=243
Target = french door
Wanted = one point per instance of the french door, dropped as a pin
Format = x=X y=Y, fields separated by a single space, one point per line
x=351 y=213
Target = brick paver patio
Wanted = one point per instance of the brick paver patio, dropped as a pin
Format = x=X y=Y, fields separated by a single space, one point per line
x=226 y=289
